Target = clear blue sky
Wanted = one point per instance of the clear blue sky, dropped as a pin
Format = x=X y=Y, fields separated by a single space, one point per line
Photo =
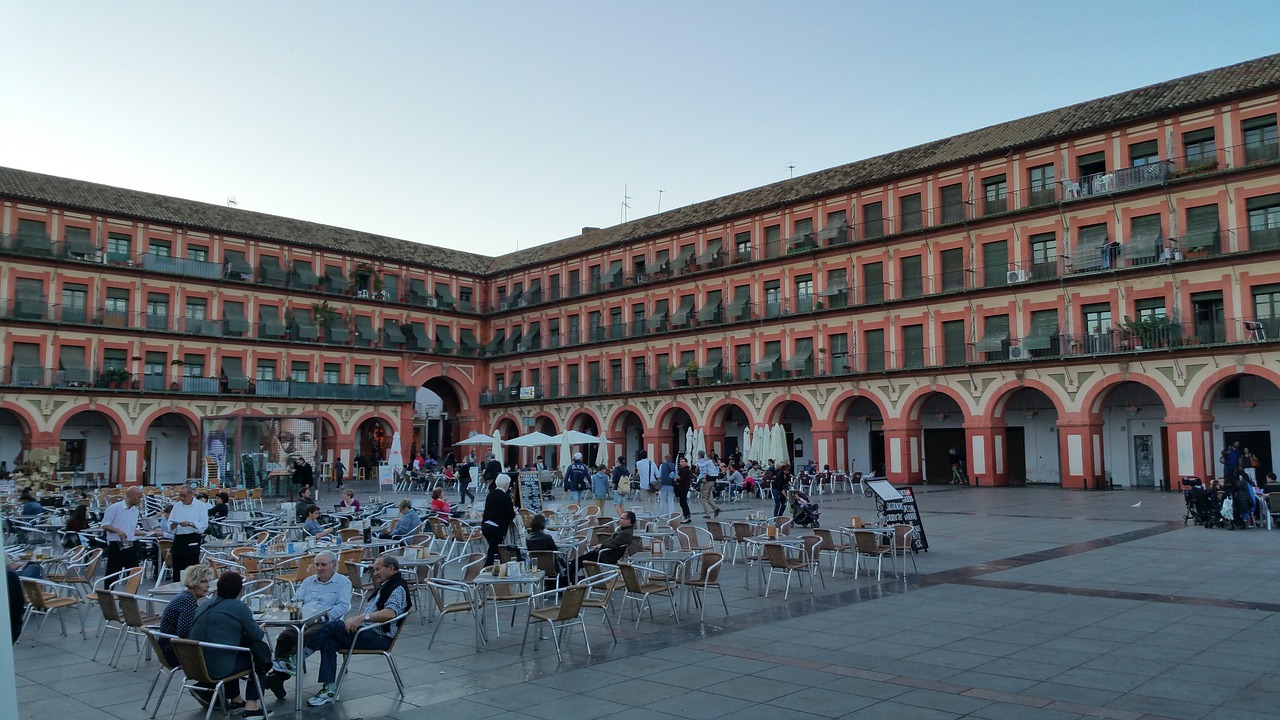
x=480 y=125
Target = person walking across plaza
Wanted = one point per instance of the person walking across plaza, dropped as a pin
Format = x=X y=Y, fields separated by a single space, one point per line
x=120 y=528
x=188 y=520
x=647 y=475
x=601 y=486
x=781 y=484
x=326 y=588
x=666 y=486
x=499 y=511
x=577 y=478
x=388 y=599
x=684 y=483
x=709 y=474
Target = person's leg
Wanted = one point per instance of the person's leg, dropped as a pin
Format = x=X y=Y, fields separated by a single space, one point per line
x=114 y=558
x=333 y=639
x=684 y=504
x=494 y=536
x=287 y=642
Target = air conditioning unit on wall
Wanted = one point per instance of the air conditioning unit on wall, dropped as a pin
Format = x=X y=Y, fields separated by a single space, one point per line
x=433 y=301
x=1017 y=352
x=1019 y=276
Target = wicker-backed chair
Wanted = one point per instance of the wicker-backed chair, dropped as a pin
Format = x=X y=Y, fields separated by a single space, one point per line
x=780 y=562
x=46 y=598
x=190 y=655
x=641 y=591
x=167 y=670
x=867 y=545
x=136 y=621
x=453 y=597
x=347 y=653
x=602 y=580
x=707 y=577
x=566 y=613
x=829 y=545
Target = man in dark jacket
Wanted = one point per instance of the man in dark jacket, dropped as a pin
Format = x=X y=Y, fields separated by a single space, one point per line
x=499 y=511
x=17 y=602
x=611 y=551
x=577 y=477
x=304 y=502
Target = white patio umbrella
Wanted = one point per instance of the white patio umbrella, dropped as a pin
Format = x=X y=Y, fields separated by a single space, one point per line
x=566 y=453
x=759 y=444
x=602 y=454
x=699 y=444
x=533 y=439
x=745 y=448
x=497 y=445
x=476 y=439
x=780 y=450
x=580 y=438
x=689 y=441
x=396 y=457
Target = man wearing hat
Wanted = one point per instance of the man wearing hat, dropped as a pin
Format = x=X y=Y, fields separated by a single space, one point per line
x=576 y=478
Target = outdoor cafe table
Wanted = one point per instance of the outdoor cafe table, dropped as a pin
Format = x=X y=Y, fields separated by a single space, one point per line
x=884 y=533
x=675 y=562
x=760 y=541
x=488 y=580
x=271 y=615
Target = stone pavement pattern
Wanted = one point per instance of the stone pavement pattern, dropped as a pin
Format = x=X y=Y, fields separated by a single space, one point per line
x=1032 y=603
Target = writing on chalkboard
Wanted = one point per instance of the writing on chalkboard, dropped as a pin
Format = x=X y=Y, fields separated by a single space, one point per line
x=531 y=491
x=904 y=510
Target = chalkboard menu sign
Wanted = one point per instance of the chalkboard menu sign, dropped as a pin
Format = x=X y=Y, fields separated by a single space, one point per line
x=903 y=509
x=530 y=492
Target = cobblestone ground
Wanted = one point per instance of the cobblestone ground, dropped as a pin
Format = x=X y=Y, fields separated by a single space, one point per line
x=1030 y=603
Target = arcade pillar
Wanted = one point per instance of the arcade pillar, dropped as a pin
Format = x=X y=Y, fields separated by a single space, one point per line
x=985 y=447
x=1080 y=450
x=902 y=452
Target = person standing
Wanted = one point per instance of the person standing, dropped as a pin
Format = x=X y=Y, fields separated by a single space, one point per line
x=1249 y=464
x=600 y=486
x=576 y=478
x=709 y=473
x=120 y=528
x=303 y=475
x=499 y=511
x=647 y=474
x=683 y=482
x=667 y=487
x=781 y=484
x=339 y=472
x=1231 y=460
x=188 y=520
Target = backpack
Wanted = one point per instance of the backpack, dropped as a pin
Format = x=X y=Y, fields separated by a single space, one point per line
x=624 y=484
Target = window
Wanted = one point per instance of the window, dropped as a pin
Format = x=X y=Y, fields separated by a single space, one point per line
x=74 y=303
x=114 y=359
x=594 y=275
x=1201 y=235
x=1200 y=148
x=1260 y=140
x=1266 y=310
x=593 y=326
x=995 y=338
x=464 y=298
x=553 y=333
x=913 y=346
x=195 y=309
x=553 y=381
x=742 y=246
x=1041 y=339
x=153 y=370
x=772 y=356
x=615 y=324
x=1143 y=153
x=954 y=343
x=837 y=288
x=163 y=248
x=1044 y=256
x=742 y=361
x=995 y=263
x=909 y=210
x=1149 y=308
x=575 y=283
x=953 y=270
x=193 y=366
x=872 y=220
x=1264 y=222
x=995 y=195
x=1097 y=328
x=1146 y=240
x=639 y=374
x=1093 y=245
x=554 y=286
x=196 y=252
x=804 y=293
x=1041 y=182
x=594 y=378
x=331 y=373
x=1092 y=163
x=802 y=232
x=873 y=283
x=773 y=241
x=838 y=347
x=912 y=280
x=873 y=341
x=773 y=298
x=836 y=231
x=300 y=371
x=637 y=320
x=119 y=247
x=362 y=375
x=266 y=370
x=116 y=308
x=575 y=330
x=951 y=198
x=157 y=311
x=78 y=243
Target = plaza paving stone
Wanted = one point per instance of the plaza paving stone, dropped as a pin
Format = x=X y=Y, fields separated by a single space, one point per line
x=1031 y=603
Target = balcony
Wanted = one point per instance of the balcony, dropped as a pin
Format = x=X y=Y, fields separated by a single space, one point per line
x=1106 y=183
x=181 y=267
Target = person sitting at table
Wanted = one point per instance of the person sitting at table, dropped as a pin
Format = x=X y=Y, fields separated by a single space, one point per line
x=312 y=526
x=180 y=613
x=734 y=478
x=611 y=550
x=326 y=588
x=30 y=506
x=219 y=509
x=76 y=524
x=226 y=620
x=540 y=539
x=388 y=599
x=304 y=502
x=439 y=505
x=407 y=524
x=349 y=500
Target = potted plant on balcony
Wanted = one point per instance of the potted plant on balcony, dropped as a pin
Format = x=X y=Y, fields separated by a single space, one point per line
x=1149 y=332
x=691 y=372
x=728 y=377
x=116 y=377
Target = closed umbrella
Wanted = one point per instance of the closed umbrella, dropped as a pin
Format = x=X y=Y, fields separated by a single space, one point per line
x=759 y=444
x=745 y=449
x=566 y=453
x=497 y=445
x=699 y=444
x=602 y=455
x=780 y=449
x=688 y=441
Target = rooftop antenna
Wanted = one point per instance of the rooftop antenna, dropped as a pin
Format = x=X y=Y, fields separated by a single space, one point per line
x=791 y=170
x=660 y=200
x=625 y=205
x=232 y=202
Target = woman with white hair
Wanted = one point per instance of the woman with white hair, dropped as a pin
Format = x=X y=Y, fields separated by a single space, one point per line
x=181 y=610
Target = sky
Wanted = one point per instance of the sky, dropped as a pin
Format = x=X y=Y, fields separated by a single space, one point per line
x=496 y=126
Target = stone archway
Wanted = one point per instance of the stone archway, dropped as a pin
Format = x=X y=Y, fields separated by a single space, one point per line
x=90 y=445
x=172 y=443
x=942 y=435
x=1030 y=437
x=1245 y=409
x=627 y=429
x=863 y=438
x=14 y=431
x=1134 y=436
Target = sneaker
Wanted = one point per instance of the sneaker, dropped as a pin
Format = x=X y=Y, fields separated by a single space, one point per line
x=717 y=512
x=328 y=694
x=283 y=665
x=261 y=712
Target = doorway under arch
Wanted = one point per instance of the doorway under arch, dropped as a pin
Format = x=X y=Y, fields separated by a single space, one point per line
x=171 y=447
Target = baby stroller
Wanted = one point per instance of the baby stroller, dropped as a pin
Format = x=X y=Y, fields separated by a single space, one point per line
x=1203 y=505
x=803 y=512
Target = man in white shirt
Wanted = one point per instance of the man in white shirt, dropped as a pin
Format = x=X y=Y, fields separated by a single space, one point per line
x=327 y=588
x=188 y=520
x=709 y=473
x=646 y=472
x=120 y=527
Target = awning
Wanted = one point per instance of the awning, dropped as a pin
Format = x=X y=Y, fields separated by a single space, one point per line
x=418 y=339
x=802 y=356
x=680 y=373
x=339 y=332
x=712 y=368
x=1043 y=328
x=443 y=296
x=71 y=358
x=708 y=311
x=364 y=329
x=418 y=292
x=78 y=242
x=833 y=290
x=738 y=306
x=305 y=273
x=656 y=320
x=444 y=340
x=993 y=341
x=336 y=280
x=233 y=369
x=834 y=232
x=271 y=270
x=656 y=265
x=535 y=290
x=427 y=404
x=681 y=315
x=497 y=342
x=514 y=340
x=467 y=338
x=303 y=327
x=26 y=355
x=713 y=249
x=234 y=319
x=272 y=326
x=236 y=263
x=510 y=301
x=534 y=339
x=614 y=274
x=391 y=378
x=683 y=258
x=768 y=362
x=391 y=329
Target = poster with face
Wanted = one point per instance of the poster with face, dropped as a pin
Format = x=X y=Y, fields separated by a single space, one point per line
x=284 y=440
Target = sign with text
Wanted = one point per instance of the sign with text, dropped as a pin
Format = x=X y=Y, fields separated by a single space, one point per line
x=531 y=491
x=902 y=509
